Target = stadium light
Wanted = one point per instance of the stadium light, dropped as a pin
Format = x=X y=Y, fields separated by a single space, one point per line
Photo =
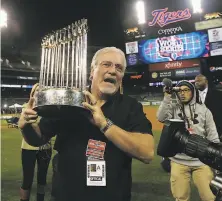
x=196 y=6
x=5 y=105
x=140 y=9
x=3 y=19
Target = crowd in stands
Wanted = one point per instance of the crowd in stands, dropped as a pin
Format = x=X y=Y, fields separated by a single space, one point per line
x=148 y=97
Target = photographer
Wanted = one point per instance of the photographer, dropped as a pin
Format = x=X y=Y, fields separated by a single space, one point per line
x=199 y=120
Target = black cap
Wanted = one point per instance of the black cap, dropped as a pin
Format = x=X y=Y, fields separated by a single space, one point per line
x=188 y=84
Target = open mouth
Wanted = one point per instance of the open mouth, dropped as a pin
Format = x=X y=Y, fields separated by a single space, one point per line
x=110 y=80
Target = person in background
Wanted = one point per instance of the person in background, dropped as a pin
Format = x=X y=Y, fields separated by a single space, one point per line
x=199 y=121
x=55 y=171
x=55 y=178
x=29 y=156
x=212 y=99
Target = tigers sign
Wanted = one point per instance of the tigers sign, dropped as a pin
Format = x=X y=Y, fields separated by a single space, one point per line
x=163 y=17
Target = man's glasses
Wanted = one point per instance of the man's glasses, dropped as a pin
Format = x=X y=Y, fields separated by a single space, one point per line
x=109 y=64
x=184 y=91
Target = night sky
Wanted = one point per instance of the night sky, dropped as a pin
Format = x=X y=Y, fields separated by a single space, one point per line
x=30 y=20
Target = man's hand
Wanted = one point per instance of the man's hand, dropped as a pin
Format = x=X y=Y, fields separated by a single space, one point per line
x=28 y=115
x=91 y=104
x=166 y=91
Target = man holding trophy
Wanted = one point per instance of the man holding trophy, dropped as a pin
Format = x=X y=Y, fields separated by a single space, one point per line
x=95 y=153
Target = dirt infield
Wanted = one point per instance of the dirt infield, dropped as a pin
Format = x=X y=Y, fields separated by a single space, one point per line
x=151 y=115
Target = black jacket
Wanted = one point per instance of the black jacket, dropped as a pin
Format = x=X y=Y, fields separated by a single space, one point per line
x=214 y=102
x=72 y=141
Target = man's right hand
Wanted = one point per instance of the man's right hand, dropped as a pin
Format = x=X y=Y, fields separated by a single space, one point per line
x=166 y=92
x=28 y=115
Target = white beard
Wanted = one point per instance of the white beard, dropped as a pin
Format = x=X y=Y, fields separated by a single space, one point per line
x=108 y=89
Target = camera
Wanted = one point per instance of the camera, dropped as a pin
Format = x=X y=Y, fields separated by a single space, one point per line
x=175 y=138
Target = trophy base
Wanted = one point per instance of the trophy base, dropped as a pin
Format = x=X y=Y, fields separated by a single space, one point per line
x=60 y=103
x=61 y=111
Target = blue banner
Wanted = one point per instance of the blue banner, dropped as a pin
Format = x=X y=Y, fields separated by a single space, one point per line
x=173 y=48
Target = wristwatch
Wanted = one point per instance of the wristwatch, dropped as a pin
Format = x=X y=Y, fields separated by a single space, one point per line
x=108 y=125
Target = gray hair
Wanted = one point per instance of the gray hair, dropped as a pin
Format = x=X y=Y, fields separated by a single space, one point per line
x=105 y=50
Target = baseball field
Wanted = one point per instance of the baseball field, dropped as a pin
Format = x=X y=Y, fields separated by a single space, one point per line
x=150 y=182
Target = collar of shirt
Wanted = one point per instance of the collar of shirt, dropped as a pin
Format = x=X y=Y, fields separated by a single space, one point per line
x=203 y=94
x=204 y=91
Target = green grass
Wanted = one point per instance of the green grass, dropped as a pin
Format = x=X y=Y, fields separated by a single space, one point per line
x=150 y=182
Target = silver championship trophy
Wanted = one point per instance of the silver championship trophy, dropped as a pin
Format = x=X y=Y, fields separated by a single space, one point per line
x=63 y=73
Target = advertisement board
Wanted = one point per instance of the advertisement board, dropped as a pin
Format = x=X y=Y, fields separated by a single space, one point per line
x=213 y=15
x=215 y=35
x=169 y=17
x=204 y=25
x=16 y=86
x=159 y=75
x=163 y=17
x=174 y=65
x=174 y=48
x=187 y=72
x=215 y=68
x=132 y=59
x=131 y=47
x=174 y=70
x=163 y=21
x=175 y=74
x=216 y=48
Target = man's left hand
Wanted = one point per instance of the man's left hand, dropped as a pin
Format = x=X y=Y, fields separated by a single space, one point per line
x=92 y=104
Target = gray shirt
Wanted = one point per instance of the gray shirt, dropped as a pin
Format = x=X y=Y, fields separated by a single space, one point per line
x=205 y=126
